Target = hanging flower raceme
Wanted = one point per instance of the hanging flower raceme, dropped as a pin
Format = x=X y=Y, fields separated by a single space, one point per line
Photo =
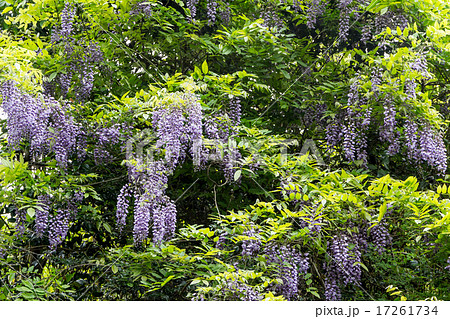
x=177 y=121
x=315 y=9
x=344 y=267
x=41 y=121
x=178 y=124
x=290 y=264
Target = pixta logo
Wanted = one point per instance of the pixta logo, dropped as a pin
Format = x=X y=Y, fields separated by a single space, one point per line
x=143 y=148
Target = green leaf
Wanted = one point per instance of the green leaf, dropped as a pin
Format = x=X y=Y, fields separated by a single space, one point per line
x=285 y=74
x=107 y=227
x=198 y=72
x=31 y=212
x=372 y=5
x=114 y=269
x=205 y=67
x=383 y=209
x=237 y=175
x=196 y=281
x=7 y=9
x=167 y=280
x=315 y=293
x=362 y=265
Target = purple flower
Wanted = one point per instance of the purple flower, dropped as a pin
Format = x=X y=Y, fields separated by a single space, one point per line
x=192 y=6
x=289 y=264
x=314 y=10
x=250 y=247
x=58 y=228
x=241 y=291
x=211 y=11
x=380 y=237
x=448 y=262
x=42 y=121
x=41 y=222
x=122 y=206
x=67 y=17
x=142 y=214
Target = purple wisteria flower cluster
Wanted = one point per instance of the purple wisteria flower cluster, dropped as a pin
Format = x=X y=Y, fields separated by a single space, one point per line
x=221 y=241
x=45 y=125
x=366 y=34
x=345 y=250
x=412 y=142
x=106 y=138
x=65 y=30
x=58 y=228
x=345 y=10
x=349 y=130
x=42 y=215
x=21 y=218
x=380 y=237
x=123 y=202
x=211 y=11
x=150 y=203
x=271 y=18
x=315 y=9
x=332 y=289
x=192 y=6
x=41 y=121
x=432 y=148
x=289 y=264
x=218 y=131
x=225 y=12
x=410 y=89
x=420 y=65
x=251 y=247
x=349 y=127
x=178 y=124
x=143 y=7
x=234 y=112
x=344 y=267
x=333 y=131
x=237 y=290
x=388 y=131
x=56 y=218
x=425 y=145
x=83 y=61
x=177 y=121
x=314 y=114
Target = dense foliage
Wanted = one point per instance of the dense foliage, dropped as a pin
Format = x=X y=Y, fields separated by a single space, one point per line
x=224 y=150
